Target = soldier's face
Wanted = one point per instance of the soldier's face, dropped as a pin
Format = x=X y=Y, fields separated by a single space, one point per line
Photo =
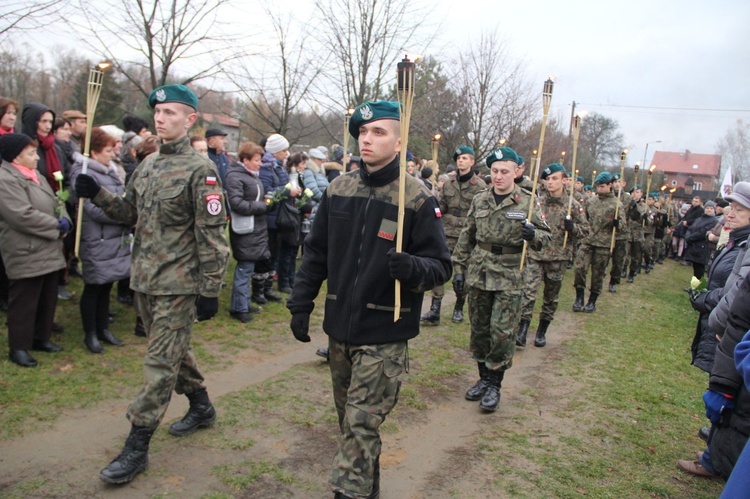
x=173 y=120
x=637 y=194
x=555 y=183
x=379 y=142
x=503 y=174
x=518 y=171
x=603 y=188
x=464 y=163
x=579 y=185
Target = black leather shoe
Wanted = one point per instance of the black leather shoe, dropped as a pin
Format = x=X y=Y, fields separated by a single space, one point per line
x=200 y=415
x=106 y=336
x=243 y=317
x=22 y=358
x=46 y=346
x=57 y=328
x=704 y=432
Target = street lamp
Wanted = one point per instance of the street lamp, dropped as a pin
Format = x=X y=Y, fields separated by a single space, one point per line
x=645 y=153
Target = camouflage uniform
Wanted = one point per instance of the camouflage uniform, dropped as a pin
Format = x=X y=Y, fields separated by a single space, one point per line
x=600 y=212
x=635 y=214
x=553 y=259
x=649 y=252
x=661 y=237
x=622 y=240
x=180 y=251
x=488 y=252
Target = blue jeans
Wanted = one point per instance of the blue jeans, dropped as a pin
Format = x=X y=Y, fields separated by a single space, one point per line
x=287 y=264
x=241 y=286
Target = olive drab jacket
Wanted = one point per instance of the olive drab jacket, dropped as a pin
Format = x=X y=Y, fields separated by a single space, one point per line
x=176 y=202
x=554 y=211
x=600 y=212
x=455 y=203
x=489 y=248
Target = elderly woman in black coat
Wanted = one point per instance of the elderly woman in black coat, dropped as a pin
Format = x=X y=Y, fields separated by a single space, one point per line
x=698 y=247
x=245 y=196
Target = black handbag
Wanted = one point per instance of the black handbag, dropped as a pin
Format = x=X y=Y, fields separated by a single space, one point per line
x=289 y=218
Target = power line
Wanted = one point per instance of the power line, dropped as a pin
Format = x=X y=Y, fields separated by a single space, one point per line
x=669 y=108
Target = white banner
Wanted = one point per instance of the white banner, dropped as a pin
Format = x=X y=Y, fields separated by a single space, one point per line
x=726 y=184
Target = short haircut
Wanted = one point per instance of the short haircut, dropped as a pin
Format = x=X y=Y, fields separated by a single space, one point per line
x=196 y=138
x=101 y=139
x=149 y=146
x=59 y=123
x=248 y=150
x=296 y=159
x=5 y=103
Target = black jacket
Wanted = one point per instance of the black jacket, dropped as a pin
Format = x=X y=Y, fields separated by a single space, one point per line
x=242 y=191
x=697 y=243
x=353 y=231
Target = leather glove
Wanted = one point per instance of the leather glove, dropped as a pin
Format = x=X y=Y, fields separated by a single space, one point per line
x=616 y=223
x=400 y=265
x=300 y=326
x=633 y=203
x=645 y=216
x=527 y=231
x=569 y=225
x=716 y=403
x=86 y=186
x=206 y=307
x=458 y=284
x=63 y=225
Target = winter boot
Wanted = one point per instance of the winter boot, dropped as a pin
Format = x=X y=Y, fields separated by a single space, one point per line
x=541 y=333
x=132 y=460
x=631 y=277
x=458 y=310
x=578 y=304
x=432 y=318
x=140 y=327
x=612 y=285
x=268 y=291
x=106 y=336
x=476 y=392
x=491 y=398
x=257 y=296
x=200 y=414
x=92 y=342
x=523 y=329
x=591 y=305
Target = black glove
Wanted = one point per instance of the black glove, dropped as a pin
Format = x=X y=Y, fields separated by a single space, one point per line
x=205 y=306
x=300 y=326
x=400 y=265
x=86 y=186
x=645 y=216
x=458 y=284
x=633 y=203
x=569 y=225
x=616 y=223
x=527 y=231
x=63 y=225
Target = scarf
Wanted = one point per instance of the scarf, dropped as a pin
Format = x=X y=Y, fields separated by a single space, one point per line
x=29 y=174
x=3 y=131
x=53 y=161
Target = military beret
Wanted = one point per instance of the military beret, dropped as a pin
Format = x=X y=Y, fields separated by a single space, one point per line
x=502 y=154
x=550 y=169
x=215 y=132
x=409 y=156
x=173 y=93
x=368 y=112
x=580 y=179
x=616 y=176
x=604 y=178
x=654 y=195
x=520 y=160
x=587 y=187
x=462 y=150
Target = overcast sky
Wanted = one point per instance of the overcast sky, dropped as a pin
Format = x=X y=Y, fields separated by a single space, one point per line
x=622 y=59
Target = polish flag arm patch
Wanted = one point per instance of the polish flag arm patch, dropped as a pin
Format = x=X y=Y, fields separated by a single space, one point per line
x=438 y=214
x=210 y=180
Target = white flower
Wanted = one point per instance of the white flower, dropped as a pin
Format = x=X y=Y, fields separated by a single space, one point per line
x=308 y=193
x=58 y=176
x=695 y=282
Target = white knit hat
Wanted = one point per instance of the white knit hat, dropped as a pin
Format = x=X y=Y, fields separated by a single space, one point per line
x=276 y=143
x=114 y=131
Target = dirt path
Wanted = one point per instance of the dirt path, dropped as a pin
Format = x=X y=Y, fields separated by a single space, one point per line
x=426 y=458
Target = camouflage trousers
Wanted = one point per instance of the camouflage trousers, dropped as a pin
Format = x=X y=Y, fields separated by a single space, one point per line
x=439 y=291
x=494 y=318
x=619 y=254
x=552 y=275
x=660 y=246
x=636 y=255
x=596 y=258
x=649 y=252
x=169 y=363
x=366 y=382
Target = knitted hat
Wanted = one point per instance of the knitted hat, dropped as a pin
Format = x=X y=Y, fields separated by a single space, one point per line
x=710 y=204
x=338 y=153
x=276 y=143
x=113 y=131
x=426 y=172
x=12 y=144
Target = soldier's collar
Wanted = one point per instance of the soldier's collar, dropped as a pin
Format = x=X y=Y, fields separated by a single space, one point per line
x=382 y=177
x=175 y=146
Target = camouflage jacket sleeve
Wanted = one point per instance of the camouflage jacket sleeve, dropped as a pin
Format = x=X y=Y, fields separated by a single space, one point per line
x=210 y=237
x=466 y=242
x=582 y=228
x=119 y=208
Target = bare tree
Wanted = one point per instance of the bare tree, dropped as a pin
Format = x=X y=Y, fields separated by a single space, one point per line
x=25 y=15
x=734 y=148
x=163 y=33
x=600 y=141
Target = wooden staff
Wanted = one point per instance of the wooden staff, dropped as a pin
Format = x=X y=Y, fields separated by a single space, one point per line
x=648 y=184
x=576 y=134
x=546 y=100
x=405 y=94
x=623 y=156
x=347 y=118
x=93 y=90
x=436 y=146
x=593 y=178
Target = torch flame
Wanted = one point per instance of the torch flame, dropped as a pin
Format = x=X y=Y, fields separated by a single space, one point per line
x=652 y=168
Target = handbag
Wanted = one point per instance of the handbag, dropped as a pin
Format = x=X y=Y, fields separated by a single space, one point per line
x=244 y=224
x=289 y=218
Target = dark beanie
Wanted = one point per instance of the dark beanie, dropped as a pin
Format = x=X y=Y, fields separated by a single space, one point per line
x=426 y=172
x=12 y=144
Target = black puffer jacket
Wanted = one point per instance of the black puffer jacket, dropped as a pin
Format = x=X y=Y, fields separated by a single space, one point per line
x=245 y=197
x=698 y=249
x=704 y=342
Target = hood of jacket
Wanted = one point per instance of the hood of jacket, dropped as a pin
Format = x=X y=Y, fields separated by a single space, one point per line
x=30 y=116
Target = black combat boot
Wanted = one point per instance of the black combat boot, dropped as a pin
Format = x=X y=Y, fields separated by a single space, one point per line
x=92 y=342
x=268 y=291
x=476 y=392
x=132 y=460
x=200 y=414
x=612 y=285
x=140 y=327
x=631 y=277
x=523 y=329
x=541 y=333
x=458 y=310
x=106 y=336
x=491 y=398
x=258 y=285
x=578 y=304
x=591 y=305
x=432 y=318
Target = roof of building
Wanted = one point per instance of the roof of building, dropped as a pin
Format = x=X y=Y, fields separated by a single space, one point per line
x=221 y=119
x=687 y=162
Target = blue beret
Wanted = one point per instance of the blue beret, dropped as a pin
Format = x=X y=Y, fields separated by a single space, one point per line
x=462 y=150
x=173 y=93
x=550 y=169
x=368 y=112
x=520 y=160
x=604 y=178
x=502 y=154
x=580 y=179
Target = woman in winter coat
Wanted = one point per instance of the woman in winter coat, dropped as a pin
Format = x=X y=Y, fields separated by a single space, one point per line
x=105 y=244
x=32 y=225
x=698 y=247
x=246 y=197
x=704 y=342
x=289 y=242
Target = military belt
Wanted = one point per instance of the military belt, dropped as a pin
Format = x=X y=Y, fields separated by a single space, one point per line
x=496 y=249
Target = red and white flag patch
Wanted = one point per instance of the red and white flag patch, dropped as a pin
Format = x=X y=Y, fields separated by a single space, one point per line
x=210 y=180
x=438 y=214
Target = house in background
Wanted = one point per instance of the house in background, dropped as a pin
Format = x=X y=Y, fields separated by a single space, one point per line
x=690 y=173
x=229 y=125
